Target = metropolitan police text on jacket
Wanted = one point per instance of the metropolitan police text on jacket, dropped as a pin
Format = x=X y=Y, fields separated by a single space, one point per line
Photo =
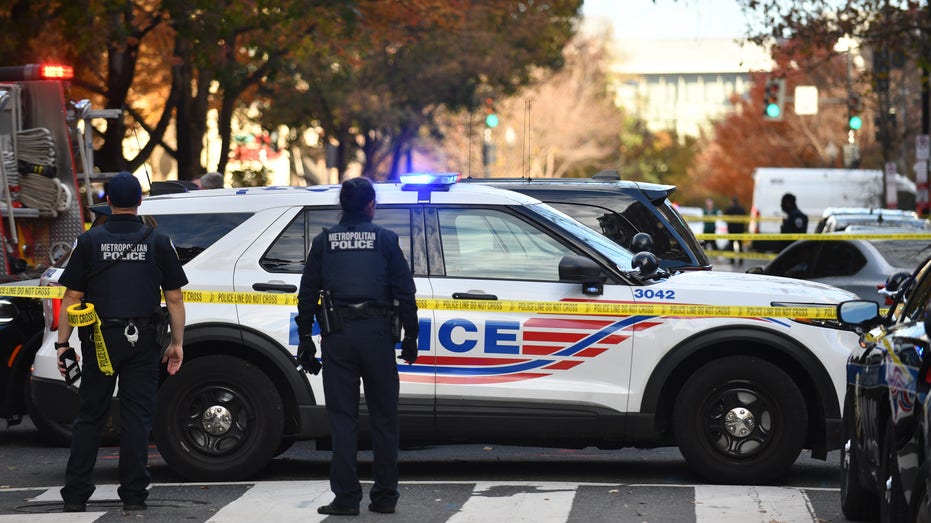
x=124 y=251
x=351 y=240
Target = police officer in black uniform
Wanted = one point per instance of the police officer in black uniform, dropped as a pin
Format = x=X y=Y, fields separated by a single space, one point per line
x=363 y=269
x=119 y=269
x=795 y=220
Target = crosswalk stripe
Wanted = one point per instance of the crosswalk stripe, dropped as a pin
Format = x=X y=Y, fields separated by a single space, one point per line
x=71 y=517
x=746 y=504
x=277 y=502
x=500 y=501
x=101 y=493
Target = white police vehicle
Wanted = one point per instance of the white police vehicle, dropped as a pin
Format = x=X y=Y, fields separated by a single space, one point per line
x=528 y=336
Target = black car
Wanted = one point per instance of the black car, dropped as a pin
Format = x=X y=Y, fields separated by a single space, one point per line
x=885 y=416
x=21 y=324
x=619 y=209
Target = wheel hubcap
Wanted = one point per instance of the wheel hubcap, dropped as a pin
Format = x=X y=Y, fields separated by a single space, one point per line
x=217 y=420
x=739 y=422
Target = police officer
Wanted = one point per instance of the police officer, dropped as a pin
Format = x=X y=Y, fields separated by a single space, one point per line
x=118 y=270
x=362 y=267
x=795 y=220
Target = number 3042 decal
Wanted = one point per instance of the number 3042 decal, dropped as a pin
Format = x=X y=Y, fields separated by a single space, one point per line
x=654 y=294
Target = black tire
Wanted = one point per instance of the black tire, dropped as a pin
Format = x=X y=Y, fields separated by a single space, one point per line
x=740 y=420
x=238 y=444
x=857 y=503
x=919 y=510
x=892 y=506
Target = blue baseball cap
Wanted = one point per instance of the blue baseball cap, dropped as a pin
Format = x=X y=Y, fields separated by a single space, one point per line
x=124 y=190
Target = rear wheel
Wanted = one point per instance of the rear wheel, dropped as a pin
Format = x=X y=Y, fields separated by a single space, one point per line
x=892 y=503
x=740 y=420
x=857 y=503
x=219 y=418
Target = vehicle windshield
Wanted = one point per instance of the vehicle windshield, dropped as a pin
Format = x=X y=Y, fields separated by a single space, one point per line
x=906 y=254
x=618 y=255
x=688 y=237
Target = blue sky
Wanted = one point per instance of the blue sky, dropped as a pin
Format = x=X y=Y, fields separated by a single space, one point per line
x=695 y=19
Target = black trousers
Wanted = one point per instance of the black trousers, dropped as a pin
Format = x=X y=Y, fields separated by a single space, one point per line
x=137 y=368
x=364 y=350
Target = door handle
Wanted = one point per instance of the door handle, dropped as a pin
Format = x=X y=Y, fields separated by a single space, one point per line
x=473 y=296
x=274 y=287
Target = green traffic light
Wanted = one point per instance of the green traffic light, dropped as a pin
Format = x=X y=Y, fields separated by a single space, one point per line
x=772 y=110
x=855 y=123
x=491 y=120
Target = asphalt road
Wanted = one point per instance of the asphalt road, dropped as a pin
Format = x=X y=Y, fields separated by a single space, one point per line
x=442 y=483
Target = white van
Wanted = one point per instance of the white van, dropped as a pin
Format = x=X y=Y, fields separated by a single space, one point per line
x=817 y=189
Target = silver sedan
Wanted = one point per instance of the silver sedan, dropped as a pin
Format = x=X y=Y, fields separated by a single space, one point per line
x=859 y=266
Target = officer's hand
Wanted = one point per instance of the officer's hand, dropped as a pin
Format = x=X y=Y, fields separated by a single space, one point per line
x=408 y=350
x=307 y=356
x=173 y=356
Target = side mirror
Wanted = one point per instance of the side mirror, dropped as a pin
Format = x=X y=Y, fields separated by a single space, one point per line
x=584 y=271
x=896 y=281
x=858 y=312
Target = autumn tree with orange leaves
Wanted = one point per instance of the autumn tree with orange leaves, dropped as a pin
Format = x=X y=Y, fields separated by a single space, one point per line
x=743 y=140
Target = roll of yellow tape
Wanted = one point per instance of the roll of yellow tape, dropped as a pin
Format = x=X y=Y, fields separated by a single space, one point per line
x=82 y=315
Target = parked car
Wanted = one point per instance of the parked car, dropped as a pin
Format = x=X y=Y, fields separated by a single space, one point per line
x=836 y=219
x=859 y=266
x=21 y=325
x=884 y=470
x=618 y=209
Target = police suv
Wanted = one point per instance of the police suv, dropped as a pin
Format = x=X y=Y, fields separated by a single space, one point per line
x=534 y=329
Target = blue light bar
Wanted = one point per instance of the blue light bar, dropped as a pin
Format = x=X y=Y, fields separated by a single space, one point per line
x=434 y=179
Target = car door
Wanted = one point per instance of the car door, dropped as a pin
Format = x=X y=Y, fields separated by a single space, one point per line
x=275 y=262
x=511 y=372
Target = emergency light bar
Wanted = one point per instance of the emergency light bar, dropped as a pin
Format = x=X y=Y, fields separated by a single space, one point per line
x=31 y=72
x=429 y=179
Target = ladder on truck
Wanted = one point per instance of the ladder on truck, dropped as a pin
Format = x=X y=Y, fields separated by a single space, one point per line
x=40 y=209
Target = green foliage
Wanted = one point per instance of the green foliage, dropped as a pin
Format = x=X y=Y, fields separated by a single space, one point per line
x=251 y=177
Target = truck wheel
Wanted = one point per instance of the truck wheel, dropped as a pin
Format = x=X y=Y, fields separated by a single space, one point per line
x=857 y=503
x=892 y=506
x=740 y=420
x=219 y=418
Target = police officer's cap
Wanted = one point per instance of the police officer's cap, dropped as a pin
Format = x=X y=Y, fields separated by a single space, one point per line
x=124 y=190
x=355 y=194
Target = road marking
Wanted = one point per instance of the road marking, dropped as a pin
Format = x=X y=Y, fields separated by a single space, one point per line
x=277 y=502
x=745 y=504
x=502 y=501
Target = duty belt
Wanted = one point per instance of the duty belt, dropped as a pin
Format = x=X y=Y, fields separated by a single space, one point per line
x=361 y=311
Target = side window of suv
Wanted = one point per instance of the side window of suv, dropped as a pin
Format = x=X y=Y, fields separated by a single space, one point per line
x=490 y=244
x=289 y=252
x=190 y=239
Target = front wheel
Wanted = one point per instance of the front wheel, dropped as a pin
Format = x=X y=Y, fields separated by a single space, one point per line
x=740 y=420
x=919 y=508
x=219 y=418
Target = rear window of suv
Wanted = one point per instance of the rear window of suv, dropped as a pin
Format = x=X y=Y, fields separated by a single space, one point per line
x=190 y=233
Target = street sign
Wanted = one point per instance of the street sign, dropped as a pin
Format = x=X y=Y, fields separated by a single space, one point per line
x=806 y=99
x=922 y=143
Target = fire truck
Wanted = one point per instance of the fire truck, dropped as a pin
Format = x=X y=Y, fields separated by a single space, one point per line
x=45 y=143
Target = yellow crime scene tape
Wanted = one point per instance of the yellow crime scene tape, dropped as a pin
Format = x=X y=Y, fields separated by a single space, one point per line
x=503 y=306
x=816 y=236
x=82 y=316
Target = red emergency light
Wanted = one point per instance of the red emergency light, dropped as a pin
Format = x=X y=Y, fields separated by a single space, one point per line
x=20 y=73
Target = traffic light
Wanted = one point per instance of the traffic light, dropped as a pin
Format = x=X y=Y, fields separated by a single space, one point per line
x=854 y=108
x=774 y=97
x=491 y=116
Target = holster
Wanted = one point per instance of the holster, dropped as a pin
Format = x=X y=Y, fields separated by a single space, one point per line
x=395 y=322
x=327 y=315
